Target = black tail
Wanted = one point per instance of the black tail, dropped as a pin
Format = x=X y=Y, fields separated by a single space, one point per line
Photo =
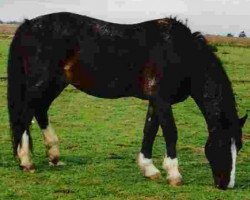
x=17 y=100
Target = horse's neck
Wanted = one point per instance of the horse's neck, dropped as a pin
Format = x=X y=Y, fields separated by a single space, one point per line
x=213 y=94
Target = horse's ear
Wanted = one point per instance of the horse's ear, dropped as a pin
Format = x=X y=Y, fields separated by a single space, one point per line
x=243 y=120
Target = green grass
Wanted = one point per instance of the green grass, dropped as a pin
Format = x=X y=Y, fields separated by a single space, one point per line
x=100 y=139
x=4 y=48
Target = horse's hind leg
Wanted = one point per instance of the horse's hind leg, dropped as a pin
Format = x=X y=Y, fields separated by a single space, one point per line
x=50 y=138
x=144 y=158
x=170 y=163
x=24 y=146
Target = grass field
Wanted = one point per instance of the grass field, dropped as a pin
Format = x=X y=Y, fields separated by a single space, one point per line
x=100 y=139
x=228 y=41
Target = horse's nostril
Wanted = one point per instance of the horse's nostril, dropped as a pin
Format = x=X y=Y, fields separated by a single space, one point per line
x=220 y=181
x=222 y=187
x=221 y=184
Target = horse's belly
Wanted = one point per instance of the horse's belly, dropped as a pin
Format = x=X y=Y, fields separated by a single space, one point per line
x=96 y=81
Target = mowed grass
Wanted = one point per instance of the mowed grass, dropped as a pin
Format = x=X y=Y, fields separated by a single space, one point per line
x=100 y=138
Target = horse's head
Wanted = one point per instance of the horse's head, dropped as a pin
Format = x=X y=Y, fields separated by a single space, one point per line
x=221 y=153
x=212 y=91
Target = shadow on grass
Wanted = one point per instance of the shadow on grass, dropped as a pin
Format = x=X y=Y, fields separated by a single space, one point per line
x=69 y=163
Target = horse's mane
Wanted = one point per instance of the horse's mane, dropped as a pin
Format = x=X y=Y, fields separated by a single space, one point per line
x=206 y=52
x=172 y=22
x=202 y=43
x=199 y=36
x=200 y=40
x=179 y=27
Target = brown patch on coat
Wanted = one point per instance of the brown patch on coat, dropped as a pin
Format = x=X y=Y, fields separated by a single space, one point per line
x=150 y=78
x=76 y=74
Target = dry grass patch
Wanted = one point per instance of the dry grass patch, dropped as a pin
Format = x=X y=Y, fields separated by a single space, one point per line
x=228 y=41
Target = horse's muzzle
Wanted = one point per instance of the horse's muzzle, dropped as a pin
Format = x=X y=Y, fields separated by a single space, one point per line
x=221 y=180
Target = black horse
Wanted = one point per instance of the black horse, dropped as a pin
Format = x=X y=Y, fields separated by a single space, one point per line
x=160 y=61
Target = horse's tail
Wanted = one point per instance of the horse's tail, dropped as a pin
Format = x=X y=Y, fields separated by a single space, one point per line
x=16 y=89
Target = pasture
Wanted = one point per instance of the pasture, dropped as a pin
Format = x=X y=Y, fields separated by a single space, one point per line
x=100 y=139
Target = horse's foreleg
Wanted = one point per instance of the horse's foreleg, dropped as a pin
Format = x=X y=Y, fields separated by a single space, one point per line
x=144 y=158
x=170 y=163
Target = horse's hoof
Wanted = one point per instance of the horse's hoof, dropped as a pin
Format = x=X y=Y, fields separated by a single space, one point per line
x=155 y=176
x=28 y=168
x=54 y=164
x=147 y=167
x=54 y=161
x=175 y=182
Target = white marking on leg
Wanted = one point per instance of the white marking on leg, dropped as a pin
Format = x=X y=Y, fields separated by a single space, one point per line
x=51 y=142
x=171 y=166
x=234 y=156
x=23 y=152
x=149 y=119
x=147 y=167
